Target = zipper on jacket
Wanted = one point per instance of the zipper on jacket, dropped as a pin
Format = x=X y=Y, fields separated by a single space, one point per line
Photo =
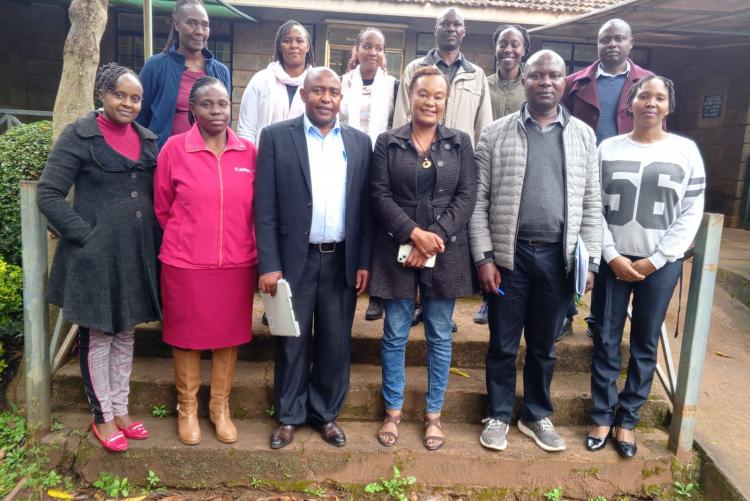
x=221 y=212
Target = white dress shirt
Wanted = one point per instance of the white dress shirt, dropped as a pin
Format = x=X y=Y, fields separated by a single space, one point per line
x=327 y=158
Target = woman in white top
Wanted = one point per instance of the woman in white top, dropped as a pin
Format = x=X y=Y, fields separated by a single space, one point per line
x=273 y=93
x=367 y=89
x=652 y=194
x=369 y=94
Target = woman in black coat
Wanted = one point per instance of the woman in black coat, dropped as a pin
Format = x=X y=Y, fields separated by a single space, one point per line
x=104 y=274
x=423 y=189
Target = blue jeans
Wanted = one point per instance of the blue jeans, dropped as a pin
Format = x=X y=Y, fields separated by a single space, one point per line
x=436 y=315
x=650 y=302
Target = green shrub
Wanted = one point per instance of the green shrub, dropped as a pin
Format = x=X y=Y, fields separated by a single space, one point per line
x=23 y=153
x=11 y=300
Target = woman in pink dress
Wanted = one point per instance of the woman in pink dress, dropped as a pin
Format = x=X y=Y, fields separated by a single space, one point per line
x=203 y=199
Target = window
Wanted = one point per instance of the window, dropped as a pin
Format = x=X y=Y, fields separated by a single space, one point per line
x=425 y=42
x=341 y=38
x=130 y=39
x=580 y=55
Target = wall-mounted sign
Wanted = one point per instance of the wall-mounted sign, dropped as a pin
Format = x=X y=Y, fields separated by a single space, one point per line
x=712 y=106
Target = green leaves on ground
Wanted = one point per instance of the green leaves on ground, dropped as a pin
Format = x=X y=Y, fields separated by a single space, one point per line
x=112 y=485
x=394 y=488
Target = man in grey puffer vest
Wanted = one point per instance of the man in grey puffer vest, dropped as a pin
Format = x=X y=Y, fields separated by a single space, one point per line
x=538 y=190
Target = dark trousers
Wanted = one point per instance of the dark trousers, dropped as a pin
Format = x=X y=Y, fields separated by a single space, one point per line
x=311 y=373
x=536 y=298
x=597 y=300
x=650 y=302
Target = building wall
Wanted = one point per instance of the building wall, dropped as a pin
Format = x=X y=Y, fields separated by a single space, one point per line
x=31 y=45
x=724 y=141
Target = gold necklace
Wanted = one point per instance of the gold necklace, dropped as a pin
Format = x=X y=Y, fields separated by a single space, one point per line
x=426 y=163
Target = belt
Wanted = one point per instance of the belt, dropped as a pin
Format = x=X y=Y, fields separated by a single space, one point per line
x=536 y=243
x=327 y=247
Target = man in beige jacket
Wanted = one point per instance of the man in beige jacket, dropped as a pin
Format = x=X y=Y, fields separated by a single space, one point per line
x=469 y=108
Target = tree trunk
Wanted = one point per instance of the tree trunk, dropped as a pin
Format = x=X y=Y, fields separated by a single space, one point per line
x=75 y=95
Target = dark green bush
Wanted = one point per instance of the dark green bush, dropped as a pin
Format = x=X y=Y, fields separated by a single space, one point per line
x=23 y=153
x=11 y=300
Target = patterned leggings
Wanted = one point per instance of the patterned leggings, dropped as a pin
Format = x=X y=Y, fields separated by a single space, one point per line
x=106 y=361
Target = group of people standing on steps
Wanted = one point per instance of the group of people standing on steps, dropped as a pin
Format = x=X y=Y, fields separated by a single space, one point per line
x=497 y=179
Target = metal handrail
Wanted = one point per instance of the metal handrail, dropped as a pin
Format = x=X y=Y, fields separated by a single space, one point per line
x=684 y=392
x=9 y=119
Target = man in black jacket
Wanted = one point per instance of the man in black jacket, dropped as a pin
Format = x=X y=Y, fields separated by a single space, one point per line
x=312 y=225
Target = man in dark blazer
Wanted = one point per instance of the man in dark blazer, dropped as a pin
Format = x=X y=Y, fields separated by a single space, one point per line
x=312 y=225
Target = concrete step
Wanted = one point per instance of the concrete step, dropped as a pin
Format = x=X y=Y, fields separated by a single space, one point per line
x=469 y=343
x=152 y=383
x=462 y=465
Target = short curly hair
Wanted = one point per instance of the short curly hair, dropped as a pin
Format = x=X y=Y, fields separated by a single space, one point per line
x=428 y=71
x=639 y=85
x=107 y=77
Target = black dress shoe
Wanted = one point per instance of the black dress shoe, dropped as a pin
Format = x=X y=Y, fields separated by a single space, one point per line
x=567 y=329
x=374 y=309
x=333 y=434
x=626 y=450
x=264 y=319
x=454 y=327
x=416 y=317
x=282 y=436
x=596 y=443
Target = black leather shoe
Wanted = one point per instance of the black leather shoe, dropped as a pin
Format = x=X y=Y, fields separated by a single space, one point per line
x=282 y=436
x=264 y=319
x=567 y=329
x=333 y=434
x=374 y=309
x=626 y=450
x=454 y=327
x=596 y=443
x=416 y=316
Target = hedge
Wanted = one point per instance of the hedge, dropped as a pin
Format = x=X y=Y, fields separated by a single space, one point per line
x=11 y=300
x=23 y=153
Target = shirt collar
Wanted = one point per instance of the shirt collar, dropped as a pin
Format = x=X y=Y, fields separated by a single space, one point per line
x=601 y=72
x=560 y=118
x=434 y=57
x=311 y=128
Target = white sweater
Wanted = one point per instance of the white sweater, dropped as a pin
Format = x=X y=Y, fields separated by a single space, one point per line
x=652 y=197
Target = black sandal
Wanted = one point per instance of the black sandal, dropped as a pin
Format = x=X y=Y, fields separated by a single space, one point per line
x=384 y=437
x=437 y=442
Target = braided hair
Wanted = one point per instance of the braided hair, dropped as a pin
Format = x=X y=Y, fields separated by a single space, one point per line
x=174 y=37
x=523 y=31
x=107 y=77
x=196 y=89
x=639 y=85
x=283 y=31
x=354 y=60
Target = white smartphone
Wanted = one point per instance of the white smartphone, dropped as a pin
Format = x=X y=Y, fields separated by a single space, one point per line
x=405 y=249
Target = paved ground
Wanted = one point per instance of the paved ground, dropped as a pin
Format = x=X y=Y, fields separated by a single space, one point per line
x=724 y=409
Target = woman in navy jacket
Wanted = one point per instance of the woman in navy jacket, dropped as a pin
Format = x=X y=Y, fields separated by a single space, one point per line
x=184 y=59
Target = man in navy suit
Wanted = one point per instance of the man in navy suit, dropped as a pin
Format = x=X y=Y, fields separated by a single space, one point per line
x=312 y=225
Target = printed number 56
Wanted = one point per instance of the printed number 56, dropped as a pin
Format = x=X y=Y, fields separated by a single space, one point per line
x=650 y=194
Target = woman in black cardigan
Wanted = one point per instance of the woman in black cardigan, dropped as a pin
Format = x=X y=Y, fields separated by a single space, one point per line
x=423 y=189
x=104 y=274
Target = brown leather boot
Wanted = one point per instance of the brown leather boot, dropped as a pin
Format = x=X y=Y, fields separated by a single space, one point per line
x=187 y=377
x=223 y=363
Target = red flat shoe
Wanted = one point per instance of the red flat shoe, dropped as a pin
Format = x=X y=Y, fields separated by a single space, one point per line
x=136 y=431
x=116 y=442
